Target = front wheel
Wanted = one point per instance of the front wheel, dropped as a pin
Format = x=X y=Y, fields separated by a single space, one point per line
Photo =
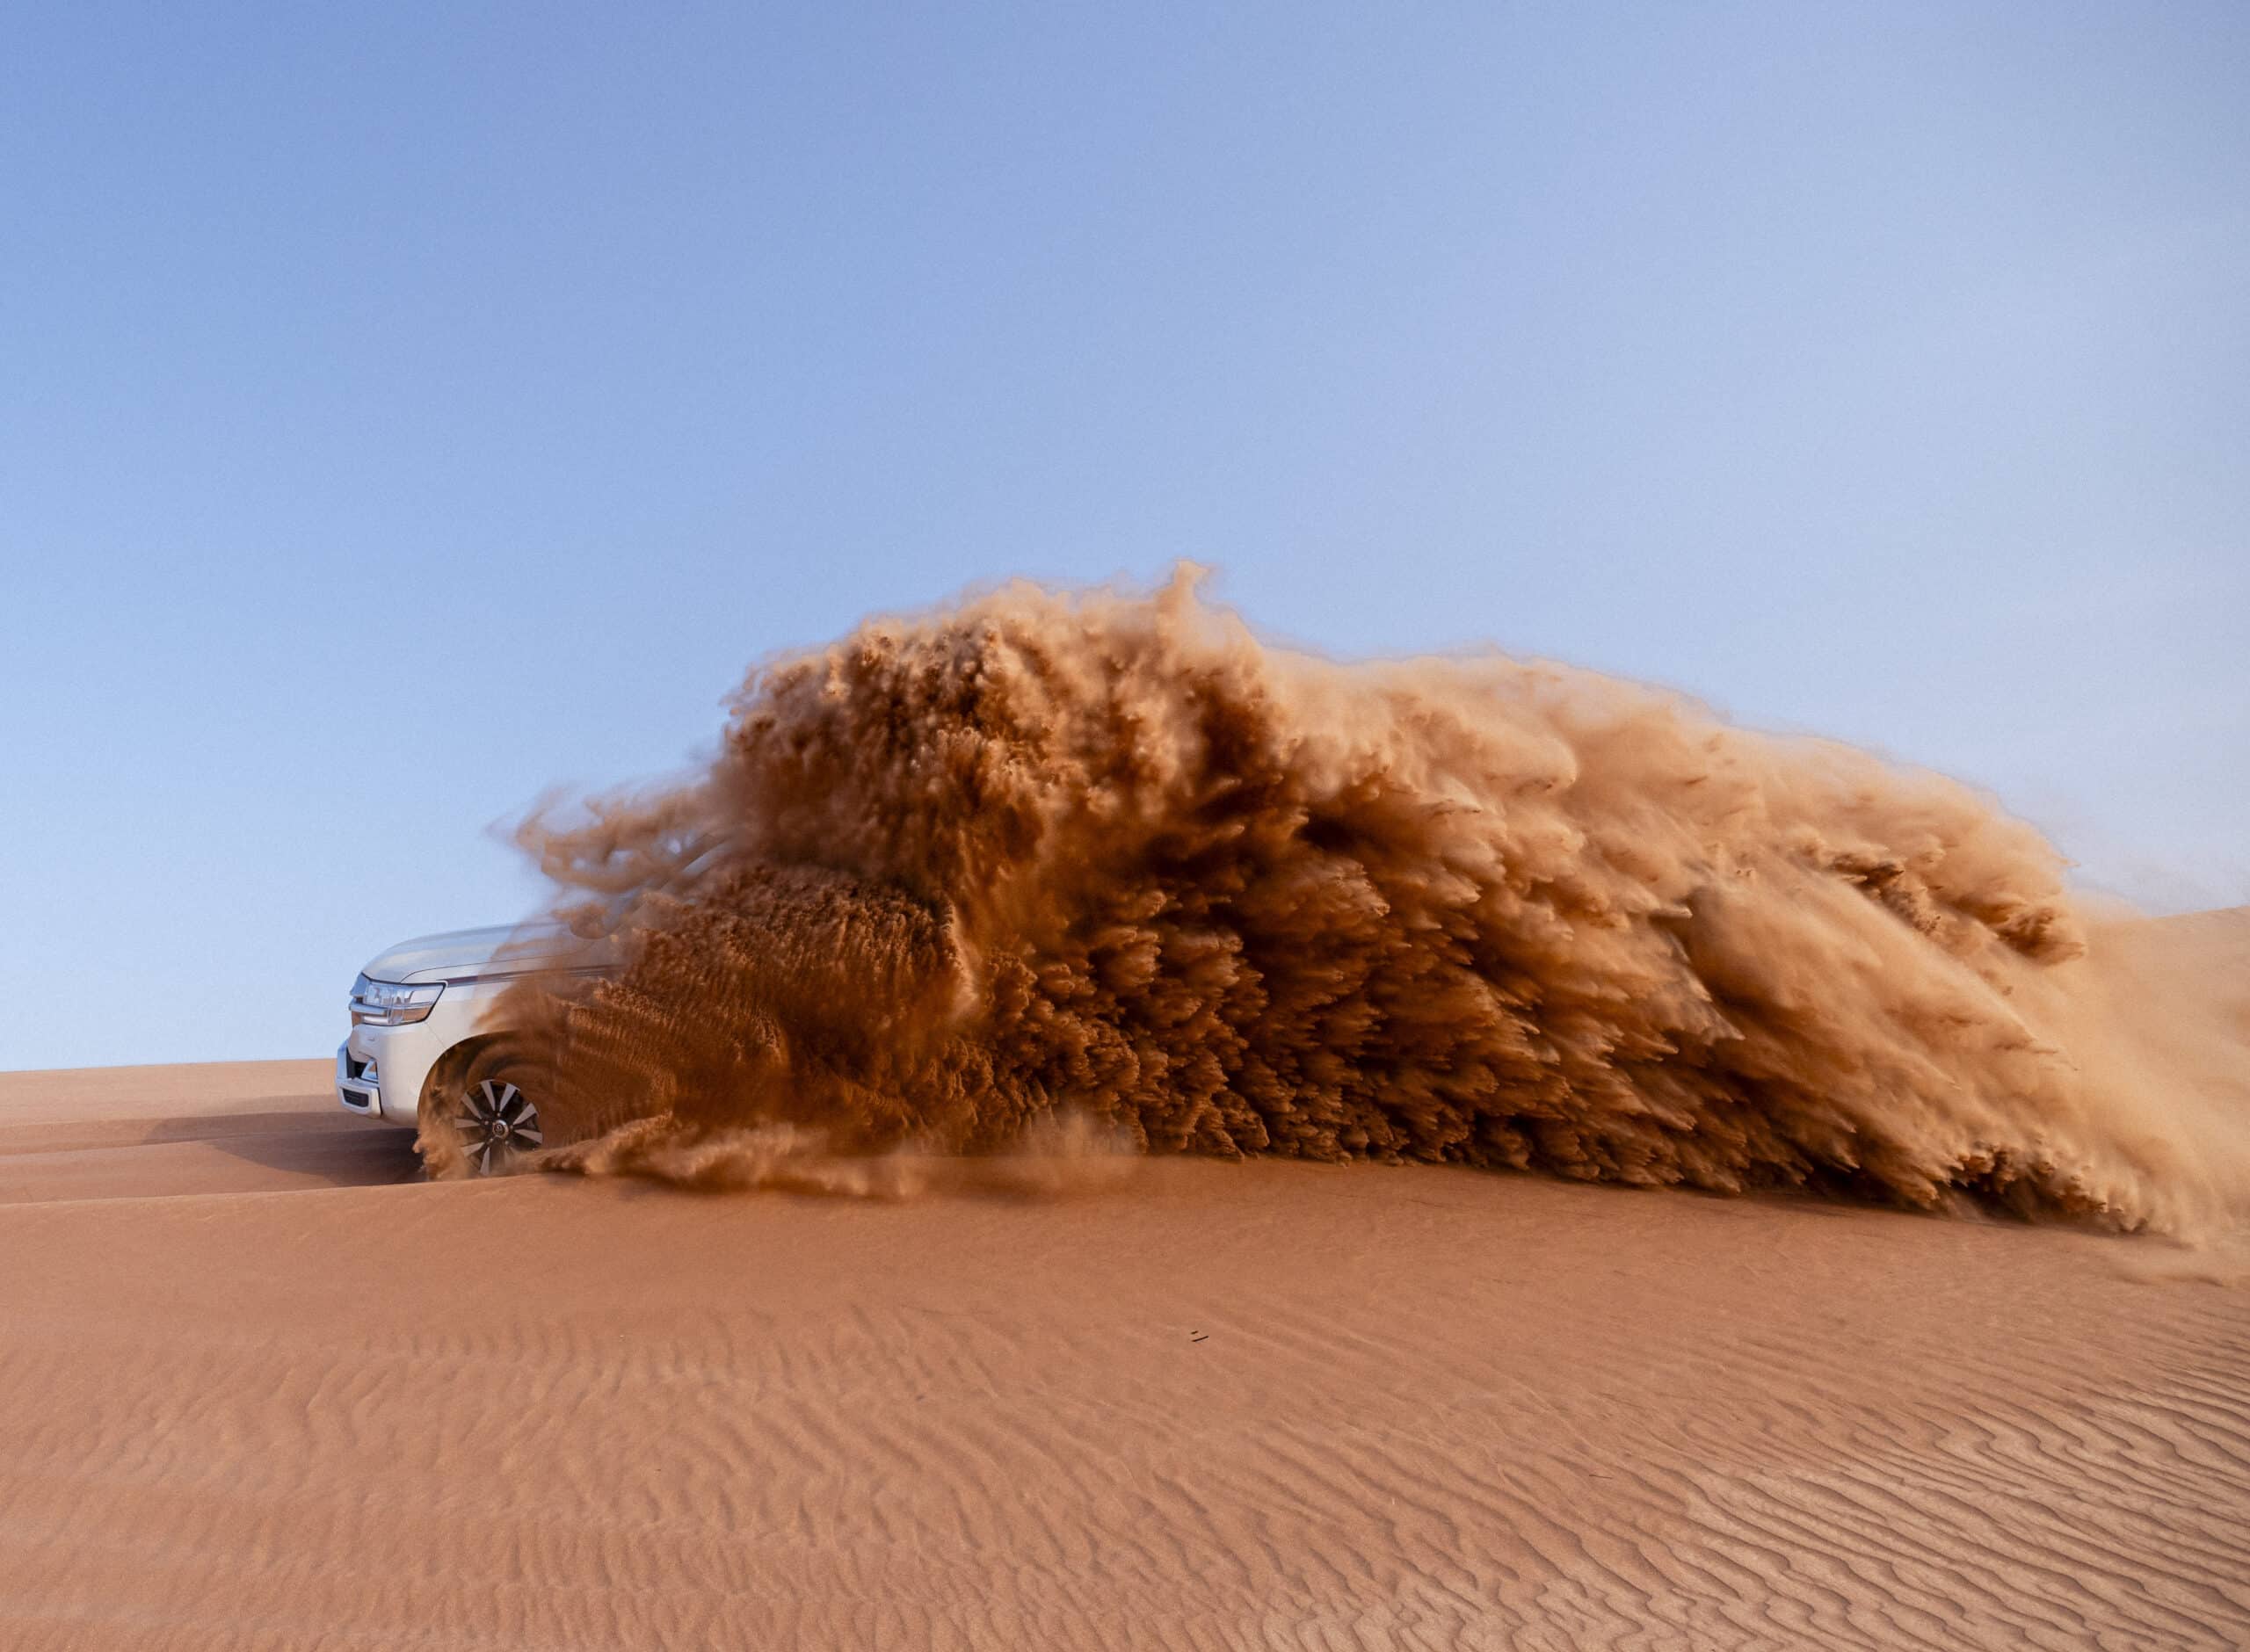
x=497 y=1121
x=485 y=1108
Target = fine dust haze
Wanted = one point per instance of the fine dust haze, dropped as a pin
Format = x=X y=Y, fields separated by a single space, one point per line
x=1048 y=870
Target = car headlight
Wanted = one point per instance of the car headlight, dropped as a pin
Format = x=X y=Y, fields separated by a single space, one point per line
x=388 y=1003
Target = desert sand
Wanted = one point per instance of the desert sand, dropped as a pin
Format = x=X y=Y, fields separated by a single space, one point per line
x=259 y=1386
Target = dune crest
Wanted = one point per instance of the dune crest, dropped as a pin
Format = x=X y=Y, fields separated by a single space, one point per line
x=1110 y=853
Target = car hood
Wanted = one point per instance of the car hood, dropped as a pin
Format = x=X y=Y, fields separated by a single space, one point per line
x=508 y=949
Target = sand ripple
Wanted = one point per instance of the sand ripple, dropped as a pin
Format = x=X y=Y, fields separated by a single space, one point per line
x=1211 y=1406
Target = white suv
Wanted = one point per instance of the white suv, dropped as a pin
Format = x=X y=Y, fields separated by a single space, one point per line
x=420 y=1014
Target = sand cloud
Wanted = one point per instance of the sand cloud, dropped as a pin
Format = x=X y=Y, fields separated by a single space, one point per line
x=1107 y=856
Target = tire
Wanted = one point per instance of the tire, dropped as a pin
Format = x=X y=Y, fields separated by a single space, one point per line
x=481 y=1112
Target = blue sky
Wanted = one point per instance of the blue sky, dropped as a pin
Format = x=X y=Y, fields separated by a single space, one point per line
x=404 y=410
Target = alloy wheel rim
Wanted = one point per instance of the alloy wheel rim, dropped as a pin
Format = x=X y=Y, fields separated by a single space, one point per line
x=498 y=1122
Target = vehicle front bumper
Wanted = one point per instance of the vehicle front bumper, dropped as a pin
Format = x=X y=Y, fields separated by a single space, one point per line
x=359 y=1084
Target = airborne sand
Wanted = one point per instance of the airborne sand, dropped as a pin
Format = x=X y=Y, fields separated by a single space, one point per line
x=1109 y=856
x=254 y=1395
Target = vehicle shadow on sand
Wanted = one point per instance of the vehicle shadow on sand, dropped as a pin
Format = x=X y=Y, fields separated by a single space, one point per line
x=339 y=1152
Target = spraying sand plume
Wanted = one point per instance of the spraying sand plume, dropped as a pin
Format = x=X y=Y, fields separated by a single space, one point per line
x=1107 y=856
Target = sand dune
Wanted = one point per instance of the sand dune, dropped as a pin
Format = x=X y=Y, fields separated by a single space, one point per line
x=249 y=1399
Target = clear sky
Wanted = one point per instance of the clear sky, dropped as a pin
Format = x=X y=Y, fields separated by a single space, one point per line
x=406 y=410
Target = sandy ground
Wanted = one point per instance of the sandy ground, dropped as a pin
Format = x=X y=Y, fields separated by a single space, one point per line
x=259 y=1387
